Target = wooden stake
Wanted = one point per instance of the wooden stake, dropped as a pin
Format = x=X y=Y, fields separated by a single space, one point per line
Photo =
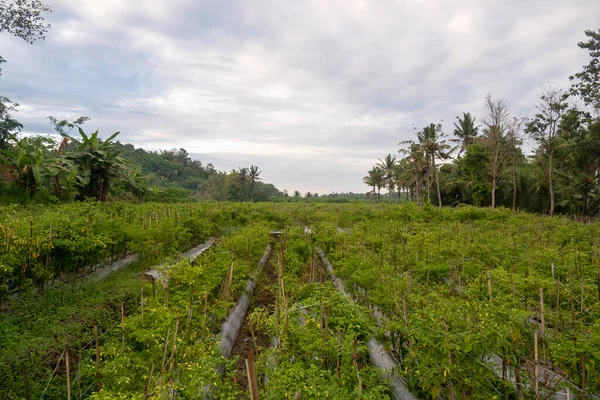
x=327 y=314
x=123 y=325
x=147 y=394
x=98 y=376
x=396 y=298
x=359 y=386
x=598 y=282
x=68 y=371
x=518 y=380
x=252 y=381
x=404 y=311
x=535 y=366
x=572 y=310
x=339 y=356
x=27 y=394
x=142 y=305
x=543 y=320
x=583 y=379
x=171 y=359
x=354 y=363
x=489 y=283
x=557 y=294
x=582 y=300
x=162 y=365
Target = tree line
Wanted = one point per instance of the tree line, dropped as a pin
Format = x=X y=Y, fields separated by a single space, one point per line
x=486 y=163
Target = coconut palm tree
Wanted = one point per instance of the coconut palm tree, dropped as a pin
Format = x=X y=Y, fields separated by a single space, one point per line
x=465 y=131
x=415 y=167
x=253 y=176
x=243 y=179
x=431 y=138
x=375 y=179
x=388 y=165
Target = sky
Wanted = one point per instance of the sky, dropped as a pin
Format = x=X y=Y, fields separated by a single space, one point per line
x=311 y=91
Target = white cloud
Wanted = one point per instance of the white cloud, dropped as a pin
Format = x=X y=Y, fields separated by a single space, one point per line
x=313 y=91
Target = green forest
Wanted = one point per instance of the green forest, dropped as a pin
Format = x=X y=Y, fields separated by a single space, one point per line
x=546 y=163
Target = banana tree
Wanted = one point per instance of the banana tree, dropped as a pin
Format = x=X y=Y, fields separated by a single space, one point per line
x=30 y=164
x=98 y=164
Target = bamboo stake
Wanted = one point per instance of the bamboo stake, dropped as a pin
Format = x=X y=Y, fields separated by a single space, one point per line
x=171 y=359
x=123 y=325
x=252 y=381
x=354 y=363
x=404 y=311
x=162 y=365
x=583 y=379
x=147 y=394
x=396 y=298
x=142 y=305
x=489 y=283
x=98 y=376
x=543 y=320
x=68 y=371
x=535 y=370
x=27 y=394
x=557 y=294
x=327 y=320
x=339 y=355
x=582 y=300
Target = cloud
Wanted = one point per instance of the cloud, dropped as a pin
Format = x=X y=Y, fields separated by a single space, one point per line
x=313 y=91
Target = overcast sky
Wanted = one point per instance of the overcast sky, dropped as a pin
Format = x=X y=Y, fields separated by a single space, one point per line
x=313 y=92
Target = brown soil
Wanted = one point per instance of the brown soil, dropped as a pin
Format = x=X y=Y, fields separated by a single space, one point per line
x=262 y=297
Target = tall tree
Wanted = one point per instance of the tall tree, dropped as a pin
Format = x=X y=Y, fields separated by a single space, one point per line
x=23 y=19
x=415 y=168
x=498 y=113
x=375 y=179
x=253 y=176
x=586 y=83
x=388 y=165
x=8 y=125
x=431 y=138
x=514 y=139
x=543 y=129
x=243 y=179
x=466 y=131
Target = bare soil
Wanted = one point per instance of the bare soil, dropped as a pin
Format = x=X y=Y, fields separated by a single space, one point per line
x=262 y=297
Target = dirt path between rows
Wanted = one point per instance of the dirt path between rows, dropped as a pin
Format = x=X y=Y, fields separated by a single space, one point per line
x=262 y=297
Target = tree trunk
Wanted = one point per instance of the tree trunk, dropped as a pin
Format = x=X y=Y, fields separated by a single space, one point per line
x=428 y=181
x=437 y=181
x=550 y=183
x=495 y=175
x=514 y=179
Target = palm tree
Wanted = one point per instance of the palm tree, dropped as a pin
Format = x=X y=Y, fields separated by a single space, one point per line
x=465 y=131
x=253 y=176
x=415 y=167
x=431 y=138
x=388 y=165
x=242 y=179
x=375 y=179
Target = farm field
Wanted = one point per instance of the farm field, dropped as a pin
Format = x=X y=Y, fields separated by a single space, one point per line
x=468 y=302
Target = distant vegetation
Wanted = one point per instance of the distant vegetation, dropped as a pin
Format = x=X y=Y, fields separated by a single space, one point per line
x=489 y=166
